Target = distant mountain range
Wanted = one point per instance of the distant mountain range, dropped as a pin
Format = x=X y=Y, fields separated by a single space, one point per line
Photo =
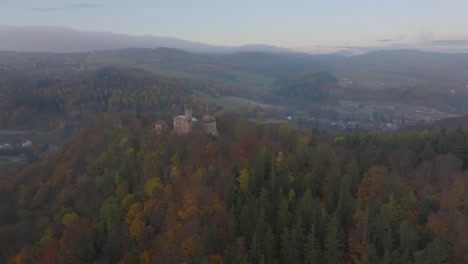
x=66 y=40
x=256 y=65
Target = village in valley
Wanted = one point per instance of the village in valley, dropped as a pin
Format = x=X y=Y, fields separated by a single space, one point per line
x=15 y=148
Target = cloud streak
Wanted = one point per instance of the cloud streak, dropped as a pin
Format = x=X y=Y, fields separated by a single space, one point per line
x=450 y=42
x=387 y=40
x=86 y=6
x=47 y=9
x=75 y=6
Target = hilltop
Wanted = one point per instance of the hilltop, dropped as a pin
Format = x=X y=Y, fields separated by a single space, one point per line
x=44 y=39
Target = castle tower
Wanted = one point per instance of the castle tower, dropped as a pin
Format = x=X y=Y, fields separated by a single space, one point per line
x=183 y=123
x=188 y=113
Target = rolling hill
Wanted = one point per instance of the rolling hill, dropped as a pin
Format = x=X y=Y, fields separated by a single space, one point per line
x=384 y=69
x=66 y=40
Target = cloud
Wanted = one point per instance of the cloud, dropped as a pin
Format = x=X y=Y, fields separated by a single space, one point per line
x=423 y=42
x=47 y=9
x=450 y=42
x=386 y=40
x=86 y=6
x=75 y=6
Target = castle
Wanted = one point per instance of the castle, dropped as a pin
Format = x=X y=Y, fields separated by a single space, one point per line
x=183 y=123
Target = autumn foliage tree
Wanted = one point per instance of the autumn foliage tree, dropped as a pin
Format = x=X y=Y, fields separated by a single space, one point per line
x=121 y=193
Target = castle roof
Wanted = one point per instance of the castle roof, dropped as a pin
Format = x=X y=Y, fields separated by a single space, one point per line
x=183 y=117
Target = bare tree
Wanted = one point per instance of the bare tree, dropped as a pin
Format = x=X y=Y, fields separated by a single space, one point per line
x=402 y=161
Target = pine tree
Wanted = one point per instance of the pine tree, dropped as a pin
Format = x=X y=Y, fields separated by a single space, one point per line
x=408 y=239
x=333 y=244
x=312 y=248
x=284 y=216
x=230 y=195
x=296 y=241
x=345 y=207
x=269 y=245
x=299 y=240
x=228 y=255
x=288 y=249
x=255 y=250
x=370 y=255
x=436 y=252
x=233 y=225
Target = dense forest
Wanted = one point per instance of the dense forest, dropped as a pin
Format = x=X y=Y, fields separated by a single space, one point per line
x=306 y=88
x=42 y=102
x=118 y=192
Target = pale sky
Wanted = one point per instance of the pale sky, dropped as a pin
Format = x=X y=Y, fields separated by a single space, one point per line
x=304 y=25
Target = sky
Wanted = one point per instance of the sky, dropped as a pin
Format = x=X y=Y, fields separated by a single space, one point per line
x=316 y=26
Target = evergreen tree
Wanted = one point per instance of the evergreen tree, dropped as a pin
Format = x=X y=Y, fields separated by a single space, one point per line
x=331 y=195
x=247 y=218
x=296 y=243
x=288 y=252
x=255 y=252
x=230 y=196
x=232 y=225
x=133 y=256
x=261 y=225
x=282 y=172
x=345 y=207
x=228 y=255
x=305 y=209
x=428 y=152
x=264 y=203
x=284 y=216
x=333 y=244
x=436 y=252
x=408 y=239
x=387 y=257
x=269 y=245
x=370 y=255
x=312 y=248
x=299 y=240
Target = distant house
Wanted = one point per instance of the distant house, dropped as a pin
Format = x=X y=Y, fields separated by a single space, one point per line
x=26 y=144
x=7 y=146
x=160 y=125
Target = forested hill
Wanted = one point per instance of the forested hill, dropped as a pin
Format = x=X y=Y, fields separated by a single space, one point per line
x=120 y=193
x=306 y=88
x=45 y=103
